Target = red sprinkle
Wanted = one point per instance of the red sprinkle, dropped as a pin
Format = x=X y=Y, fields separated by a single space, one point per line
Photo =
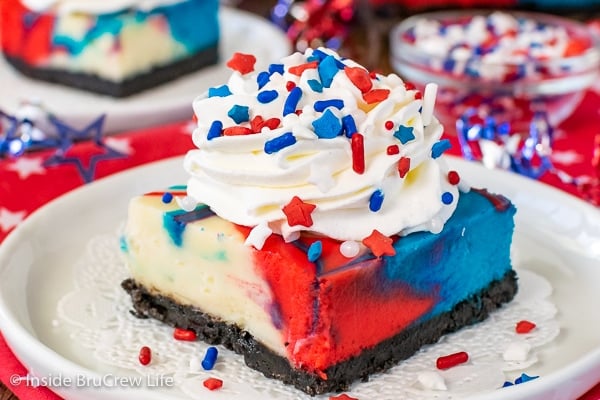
x=357 y=143
x=393 y=149
x=257 y=123
x=145 y=355
x=298 y=212
x=373 y=75
x=237 y=131
x=299 y=69
x=409 y=86
x=376 y=95
x=452 y=360
x=403 y=166
x=360 y=78
x=524 y=326
x=342 y=397
x=213 y=383
x=418 y=96
x=453 y=177
x=379 y=244
x=389 y=125
x=243 y=63
x=184 y=334
x=289 y=85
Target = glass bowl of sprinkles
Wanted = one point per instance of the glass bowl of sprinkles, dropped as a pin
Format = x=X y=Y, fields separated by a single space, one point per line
x=507 y=65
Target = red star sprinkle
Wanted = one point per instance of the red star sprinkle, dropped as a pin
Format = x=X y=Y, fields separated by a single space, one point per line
x=298 y=212
x=379 y=244
x=360 y=78
x=403 y=166
x=212 y=383
x=299 y=69
x=243 y=63
x=342 y=397
x=524 y=326
x=237 y=131
x=376 y=95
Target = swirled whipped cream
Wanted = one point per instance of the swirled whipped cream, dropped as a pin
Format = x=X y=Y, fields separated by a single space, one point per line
x=317 y=143
x=94 y=6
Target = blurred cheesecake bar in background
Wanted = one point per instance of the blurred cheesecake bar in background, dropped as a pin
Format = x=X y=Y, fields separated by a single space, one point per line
x=111 y=47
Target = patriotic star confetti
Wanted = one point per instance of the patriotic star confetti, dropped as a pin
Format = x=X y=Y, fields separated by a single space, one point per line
x=68 y=136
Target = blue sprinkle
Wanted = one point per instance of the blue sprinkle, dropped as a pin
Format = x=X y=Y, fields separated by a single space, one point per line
x=321 y=105
x=315 y=57
x=167 y=197
x=276 y=68
x=448 y=65
x=349 y=125
x=525 y=378
x=262 y=79
x=267 y=96
x=239 y=114
x=292 y=101
x=318 y=55
x=315 y=85
x=328 y=126
x=327 y=68
x=507 y=383
x=447 y=198
x=280 y=142
x=376 y=200
x=215 y=130
x=210 y=358
x=314 y=251
x=404 y=134
x=440 y=147
x=221 y=91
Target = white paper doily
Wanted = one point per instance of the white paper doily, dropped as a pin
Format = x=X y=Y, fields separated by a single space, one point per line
x=98 y=315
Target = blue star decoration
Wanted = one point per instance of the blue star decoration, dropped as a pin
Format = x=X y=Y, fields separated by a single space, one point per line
x=67 y=136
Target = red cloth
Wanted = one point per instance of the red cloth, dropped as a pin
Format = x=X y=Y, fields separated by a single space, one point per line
x=573 y=152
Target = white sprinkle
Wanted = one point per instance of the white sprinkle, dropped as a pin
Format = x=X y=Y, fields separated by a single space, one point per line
x=187 y=203
x=516 y=351
x=432 y=380
x=349 y=248
x=258 y=235
x=429 y=95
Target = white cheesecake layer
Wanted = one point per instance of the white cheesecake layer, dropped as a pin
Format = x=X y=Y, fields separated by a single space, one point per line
x=212 y=268
x=139 y=47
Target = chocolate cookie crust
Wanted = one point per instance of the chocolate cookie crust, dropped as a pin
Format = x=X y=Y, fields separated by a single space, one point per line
x=339 y=377
x=128 y=87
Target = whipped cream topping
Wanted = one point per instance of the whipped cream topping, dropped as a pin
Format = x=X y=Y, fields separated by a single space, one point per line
x=94 y=6
x=265 y=138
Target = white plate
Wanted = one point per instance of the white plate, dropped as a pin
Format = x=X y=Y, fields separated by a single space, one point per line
x=558 y=236
x=240 y=31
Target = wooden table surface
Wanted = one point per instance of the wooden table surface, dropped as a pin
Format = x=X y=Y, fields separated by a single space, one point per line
x=374 y=56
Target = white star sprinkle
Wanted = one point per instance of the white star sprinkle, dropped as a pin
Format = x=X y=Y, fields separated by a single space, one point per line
x=25 y=166
x=258 y=235
x=9 y=219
